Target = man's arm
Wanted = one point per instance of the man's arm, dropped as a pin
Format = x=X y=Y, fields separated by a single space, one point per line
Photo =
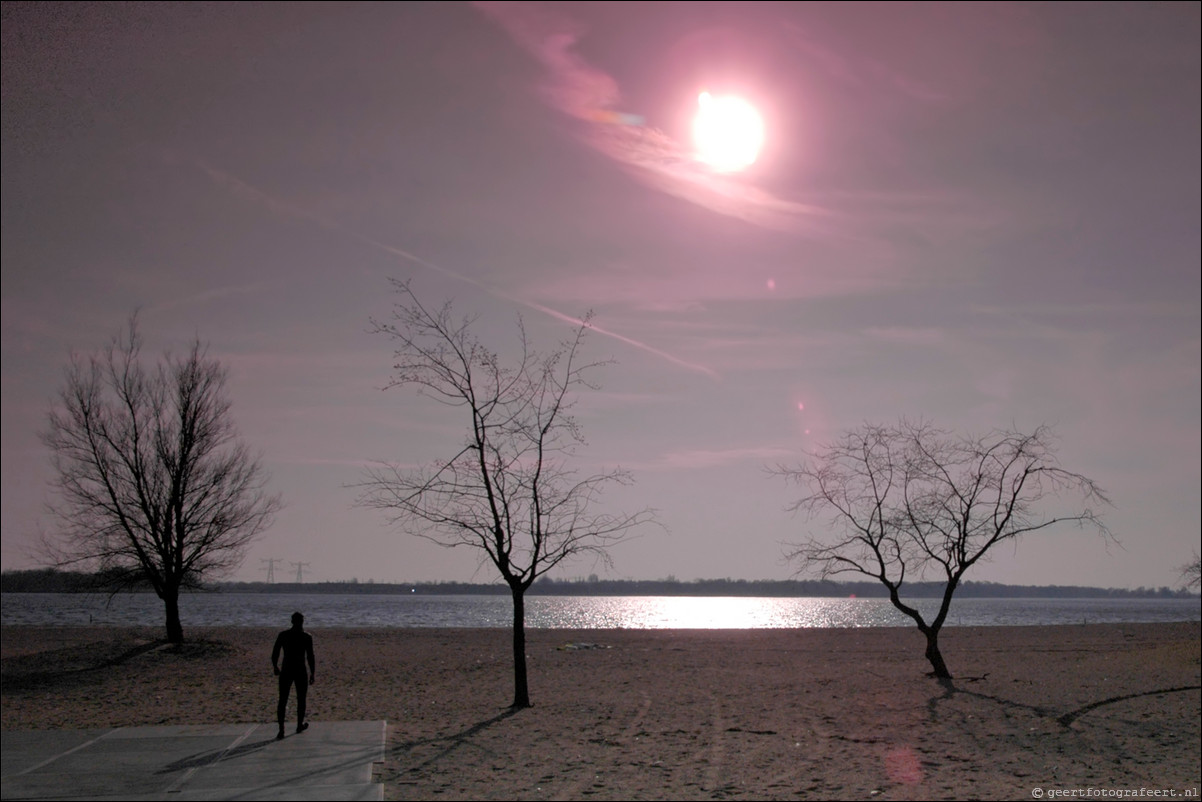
x=275 y=653
x=312 y=661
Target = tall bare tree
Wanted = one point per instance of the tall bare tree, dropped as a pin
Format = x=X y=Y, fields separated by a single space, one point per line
x=153 y=484
x=508 y=489
x=911 y=501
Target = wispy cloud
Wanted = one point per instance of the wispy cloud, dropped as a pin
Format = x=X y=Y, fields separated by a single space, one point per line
x=858 y=72
x=1077 y=309
x=214 y=294
x=908 y=335
x=337 y=462
x=580 y=90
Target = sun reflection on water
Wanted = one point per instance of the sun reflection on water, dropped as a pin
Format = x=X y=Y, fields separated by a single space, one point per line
x=709 y=612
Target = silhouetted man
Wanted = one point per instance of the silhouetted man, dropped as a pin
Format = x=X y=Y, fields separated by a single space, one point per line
x=297 y=646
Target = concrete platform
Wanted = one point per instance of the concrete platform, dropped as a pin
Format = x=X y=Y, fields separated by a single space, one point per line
x=330 y=760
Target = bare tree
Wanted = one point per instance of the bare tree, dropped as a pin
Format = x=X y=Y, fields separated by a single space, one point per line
x=153 y=484
x=1191 y=573
x=910 y=501
x=508 y=489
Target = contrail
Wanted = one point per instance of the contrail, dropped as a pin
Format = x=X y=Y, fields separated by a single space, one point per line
x=240 y=187
x=619 y=337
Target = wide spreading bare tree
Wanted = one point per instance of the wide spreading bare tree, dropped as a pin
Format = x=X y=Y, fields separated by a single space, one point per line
x=508 y=489
x=912 y=502
x=153 y=484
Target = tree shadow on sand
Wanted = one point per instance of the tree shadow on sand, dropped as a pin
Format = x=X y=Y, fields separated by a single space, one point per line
x=1065 y=720
x=87 y=663
x=447 y=744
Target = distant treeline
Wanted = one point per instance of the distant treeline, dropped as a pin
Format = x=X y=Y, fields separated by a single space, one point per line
x=53 y=581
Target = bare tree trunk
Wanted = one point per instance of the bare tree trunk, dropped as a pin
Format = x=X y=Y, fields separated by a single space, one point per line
x=934 y=657
x=175 y=630
x=521 y=691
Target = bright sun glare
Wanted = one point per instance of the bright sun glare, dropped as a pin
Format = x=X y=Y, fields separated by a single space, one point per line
x=728 y=132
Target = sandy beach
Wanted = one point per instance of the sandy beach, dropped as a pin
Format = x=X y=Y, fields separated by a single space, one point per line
x=698 y=714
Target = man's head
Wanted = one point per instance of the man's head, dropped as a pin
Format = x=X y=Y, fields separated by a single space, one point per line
x=297 y=619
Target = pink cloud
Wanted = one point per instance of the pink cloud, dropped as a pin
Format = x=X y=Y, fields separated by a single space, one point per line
x=583 y=92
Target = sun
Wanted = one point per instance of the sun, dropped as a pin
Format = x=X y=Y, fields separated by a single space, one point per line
x=728 y=132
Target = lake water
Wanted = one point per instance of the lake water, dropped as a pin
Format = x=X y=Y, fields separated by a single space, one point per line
x=569 y=612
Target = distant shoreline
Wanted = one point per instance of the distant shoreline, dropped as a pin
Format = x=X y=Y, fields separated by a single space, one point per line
x=49 y=581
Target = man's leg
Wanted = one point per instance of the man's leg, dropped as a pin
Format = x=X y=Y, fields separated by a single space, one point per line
x=282 y=709
x=302 y=694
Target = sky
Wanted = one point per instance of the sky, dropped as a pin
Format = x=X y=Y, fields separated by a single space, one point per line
x=982 y=215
